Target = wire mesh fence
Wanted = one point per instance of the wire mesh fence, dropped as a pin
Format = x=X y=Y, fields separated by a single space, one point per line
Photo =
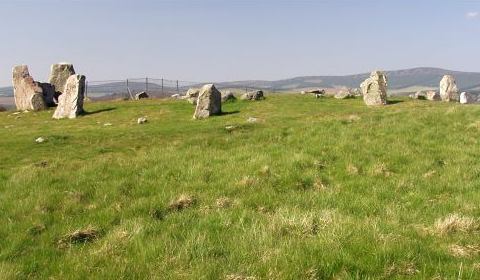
x=157 y=88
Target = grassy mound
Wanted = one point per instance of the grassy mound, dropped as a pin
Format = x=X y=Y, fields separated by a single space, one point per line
x=309 y=189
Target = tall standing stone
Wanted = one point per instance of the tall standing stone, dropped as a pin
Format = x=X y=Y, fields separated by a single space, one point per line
x=209 y=102
x=70 y=103
x=448 y=89
x=26 y=90
x=374 y=89
x=59 y=74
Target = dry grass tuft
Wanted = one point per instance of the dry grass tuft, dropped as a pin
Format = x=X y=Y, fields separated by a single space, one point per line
x=352 y=169
x=381 y=169
x=248 y=181
x=223 y=202
x=466 y=251
x=456 y=223
x=80 y=236
x=239 y=277
x=298 y=223
x=319 y=185
x=182 y=202
x=429 y=174
x=405 y=269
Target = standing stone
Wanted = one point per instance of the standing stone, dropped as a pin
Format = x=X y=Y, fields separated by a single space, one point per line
x=448 y=89
x=374 y=89
x=24 y=87
x=209 y=102
x=467 y=98
x=59 y=74
x=70 y=103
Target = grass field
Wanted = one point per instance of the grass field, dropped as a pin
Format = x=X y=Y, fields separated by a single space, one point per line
x=315 y=189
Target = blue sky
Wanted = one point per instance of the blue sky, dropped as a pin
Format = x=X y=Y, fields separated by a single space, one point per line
x=213 y=40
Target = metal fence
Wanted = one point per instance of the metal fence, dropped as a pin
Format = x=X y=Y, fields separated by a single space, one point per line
x=157 y=88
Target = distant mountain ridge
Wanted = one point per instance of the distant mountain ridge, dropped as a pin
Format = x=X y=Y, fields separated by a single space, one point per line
x=400 y=81
x=397 y=80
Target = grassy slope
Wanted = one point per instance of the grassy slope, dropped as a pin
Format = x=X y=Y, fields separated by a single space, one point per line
x=299 y=207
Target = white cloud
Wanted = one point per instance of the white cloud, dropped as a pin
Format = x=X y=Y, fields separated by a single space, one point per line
x=472 y=15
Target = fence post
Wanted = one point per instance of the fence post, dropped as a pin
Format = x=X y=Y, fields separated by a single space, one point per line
x=162 y=86
x=146 y=85
x=128 y=89
x=178 y=90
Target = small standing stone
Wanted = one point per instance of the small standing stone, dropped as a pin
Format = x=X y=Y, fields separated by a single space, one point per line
x=192 y=95
x=253 y=95
x=375 y=89
x=344 y=94
x=141 y=95
x=37 y=102
x=70 y=103
x=433 y=96
x=467 y=98
x=209 y=102
x=228 y=96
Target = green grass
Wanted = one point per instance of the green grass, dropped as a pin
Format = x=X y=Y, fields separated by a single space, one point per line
x=316 y=189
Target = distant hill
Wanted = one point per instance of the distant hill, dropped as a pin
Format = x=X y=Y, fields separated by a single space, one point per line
x=400 y=81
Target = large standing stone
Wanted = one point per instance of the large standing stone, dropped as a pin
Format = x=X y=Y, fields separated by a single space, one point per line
x=467 y=98
x=448 y=89
x=24 y=87
x=209 y=102
x=59 y=74
x=70 y=103
x=374 y=89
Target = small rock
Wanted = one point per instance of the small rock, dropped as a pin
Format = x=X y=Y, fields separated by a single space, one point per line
x=107 y=124
x=230 y=127
x=228 y=96
x=433 y=96
x=141 y=95
x=252 y=120
x=142 y=120
x=253 y=95
x=40 y=140
x=467 y=98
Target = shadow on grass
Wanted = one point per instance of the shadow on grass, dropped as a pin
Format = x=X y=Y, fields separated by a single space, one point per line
x=393 y=102
x=229 y=113
x=99 y=111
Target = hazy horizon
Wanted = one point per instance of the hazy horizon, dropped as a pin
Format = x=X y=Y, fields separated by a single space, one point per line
x=216 y=40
